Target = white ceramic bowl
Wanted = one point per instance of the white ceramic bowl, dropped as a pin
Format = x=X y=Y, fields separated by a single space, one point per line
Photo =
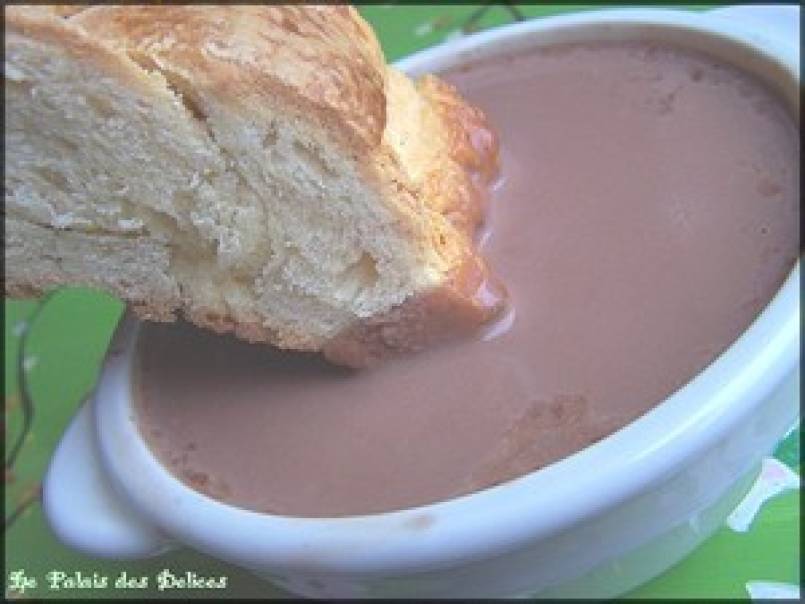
x=594 y=524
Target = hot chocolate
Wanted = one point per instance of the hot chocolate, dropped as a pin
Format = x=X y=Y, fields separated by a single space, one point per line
x=648 y=209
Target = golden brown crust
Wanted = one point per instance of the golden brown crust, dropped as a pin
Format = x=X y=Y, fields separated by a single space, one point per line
x=471 y=296
x=46 y=26
x=320 y=62
x=165 y=311
x=66 y=10
x=472 y=143
x=21 y=291
x=472 y=147
x=252 y=331
x=162 y=311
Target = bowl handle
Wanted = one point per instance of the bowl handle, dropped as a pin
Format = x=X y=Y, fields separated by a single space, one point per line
x=83 y=509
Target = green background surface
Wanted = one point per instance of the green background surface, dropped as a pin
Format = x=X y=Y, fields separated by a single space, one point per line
x=57 y=343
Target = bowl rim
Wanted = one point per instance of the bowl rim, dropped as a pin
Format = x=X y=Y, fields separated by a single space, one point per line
x=494 y=520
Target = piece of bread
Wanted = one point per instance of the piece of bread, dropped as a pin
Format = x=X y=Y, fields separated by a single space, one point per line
x=256 y=169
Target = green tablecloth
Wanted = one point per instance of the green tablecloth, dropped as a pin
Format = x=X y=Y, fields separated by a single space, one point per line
x=55 y=347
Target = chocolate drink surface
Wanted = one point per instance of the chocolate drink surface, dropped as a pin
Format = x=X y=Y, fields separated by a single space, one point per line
x=648 y=210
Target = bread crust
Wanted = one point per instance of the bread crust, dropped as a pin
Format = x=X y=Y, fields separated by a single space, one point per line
x=46 y=24
x=321 y=62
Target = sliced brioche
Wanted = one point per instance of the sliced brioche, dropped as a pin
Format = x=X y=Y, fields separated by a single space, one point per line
x=257 y=169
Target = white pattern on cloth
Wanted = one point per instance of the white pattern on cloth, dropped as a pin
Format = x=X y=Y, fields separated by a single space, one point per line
x=767 y=590
x=775 y=478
